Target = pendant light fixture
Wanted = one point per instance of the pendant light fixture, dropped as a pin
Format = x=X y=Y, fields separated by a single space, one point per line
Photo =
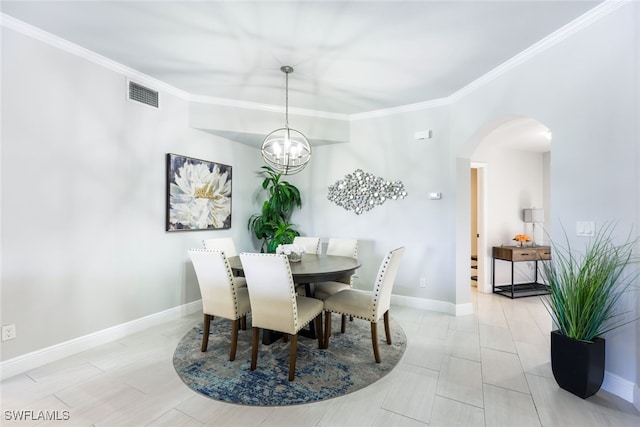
x=286 y=150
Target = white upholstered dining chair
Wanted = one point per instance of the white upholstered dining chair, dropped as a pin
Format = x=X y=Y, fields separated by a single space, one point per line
x=226 y=245
x=311 y=245
x=367 y=305
x=220 y=295
x=274 y=303
x=337 y=247
x=323 y=290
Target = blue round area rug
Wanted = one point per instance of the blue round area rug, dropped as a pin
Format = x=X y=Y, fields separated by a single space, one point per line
x=348 y=365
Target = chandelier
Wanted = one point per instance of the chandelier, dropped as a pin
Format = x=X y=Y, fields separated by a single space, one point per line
x=286 y=150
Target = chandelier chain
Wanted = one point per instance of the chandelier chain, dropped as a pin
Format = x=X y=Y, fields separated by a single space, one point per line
x=286 y=100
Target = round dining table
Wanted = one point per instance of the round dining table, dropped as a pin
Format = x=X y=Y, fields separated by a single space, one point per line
x=312 y=268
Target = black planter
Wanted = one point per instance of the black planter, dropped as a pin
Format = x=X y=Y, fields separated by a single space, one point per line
x=578 y=366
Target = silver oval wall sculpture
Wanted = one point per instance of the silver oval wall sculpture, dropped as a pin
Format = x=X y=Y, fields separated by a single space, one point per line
x=361 y=191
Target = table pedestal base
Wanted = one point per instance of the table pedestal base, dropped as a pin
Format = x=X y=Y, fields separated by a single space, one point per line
x=269 y=336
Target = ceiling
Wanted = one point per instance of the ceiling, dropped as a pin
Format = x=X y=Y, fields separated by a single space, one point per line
x=349 y=56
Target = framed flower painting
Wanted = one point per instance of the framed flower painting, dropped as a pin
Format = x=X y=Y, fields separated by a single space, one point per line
x=198 y=194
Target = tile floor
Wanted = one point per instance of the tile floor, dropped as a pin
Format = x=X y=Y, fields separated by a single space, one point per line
x=487 y=369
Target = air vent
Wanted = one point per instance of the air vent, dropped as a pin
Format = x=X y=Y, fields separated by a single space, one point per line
x=143 y=94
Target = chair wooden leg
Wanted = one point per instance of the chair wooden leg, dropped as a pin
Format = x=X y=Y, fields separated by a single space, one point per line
x=374 y=340
x=292 y=356
x=234 y=339
x=319 y=332
x=343 y=325
x=205 y=332
x=243 y=322
x=387 y=330
x=254 y=348
x=327 y=328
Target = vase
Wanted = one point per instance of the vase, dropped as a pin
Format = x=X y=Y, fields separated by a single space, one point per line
x=578 y=366
x=295 y=257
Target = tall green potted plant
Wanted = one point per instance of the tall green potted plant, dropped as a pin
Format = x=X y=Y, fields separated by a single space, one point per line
x=585 y=289
x=272 y=226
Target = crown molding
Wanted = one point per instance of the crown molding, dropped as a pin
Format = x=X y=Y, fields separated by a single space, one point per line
x=595 y=14
x=74 y=49
x=400 y=109
x=267 y=107
x=575 y=26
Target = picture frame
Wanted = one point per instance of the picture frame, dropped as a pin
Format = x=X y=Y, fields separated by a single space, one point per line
x=199 y=194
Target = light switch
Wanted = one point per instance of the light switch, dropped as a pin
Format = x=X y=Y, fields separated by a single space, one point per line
x=423 y=135
x=585 y=228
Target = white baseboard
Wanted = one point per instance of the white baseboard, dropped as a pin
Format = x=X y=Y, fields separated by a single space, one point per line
x=636 y=397
x=464 y=309
x=617 y=385
x=24 y=363
x=433 y=305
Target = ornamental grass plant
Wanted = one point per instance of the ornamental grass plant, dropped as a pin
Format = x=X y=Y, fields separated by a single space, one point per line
x=585 y=288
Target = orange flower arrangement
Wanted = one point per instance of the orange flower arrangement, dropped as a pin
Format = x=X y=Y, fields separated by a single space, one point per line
x=522 y=238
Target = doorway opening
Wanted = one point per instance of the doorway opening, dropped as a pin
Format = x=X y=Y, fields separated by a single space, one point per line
x=474 y=226
x=477 y=204
x=516 y=151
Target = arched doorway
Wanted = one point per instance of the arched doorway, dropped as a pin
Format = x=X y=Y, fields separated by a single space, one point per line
x=512 y=157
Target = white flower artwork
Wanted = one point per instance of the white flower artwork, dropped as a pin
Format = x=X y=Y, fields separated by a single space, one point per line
x=198 y=194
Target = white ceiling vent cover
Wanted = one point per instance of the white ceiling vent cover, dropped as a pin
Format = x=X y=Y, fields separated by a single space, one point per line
x=139 y=93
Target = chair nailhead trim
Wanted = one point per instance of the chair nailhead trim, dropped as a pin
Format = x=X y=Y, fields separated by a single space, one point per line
x=234 y=292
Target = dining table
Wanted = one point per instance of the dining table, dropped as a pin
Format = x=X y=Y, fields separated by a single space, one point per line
x=312 y=268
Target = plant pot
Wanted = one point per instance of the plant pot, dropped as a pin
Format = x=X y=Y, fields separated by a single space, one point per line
x=578 y=366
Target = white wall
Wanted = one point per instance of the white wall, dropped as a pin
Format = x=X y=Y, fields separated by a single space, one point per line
x=385 y=147
x=636 y=397
x=585 y=90
x=83 y=198
x=83 y=244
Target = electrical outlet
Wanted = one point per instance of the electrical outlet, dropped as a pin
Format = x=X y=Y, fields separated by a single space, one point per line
x=423 y=282
x=8 y=332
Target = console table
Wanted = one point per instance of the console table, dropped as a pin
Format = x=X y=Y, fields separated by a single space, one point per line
x=515 y=254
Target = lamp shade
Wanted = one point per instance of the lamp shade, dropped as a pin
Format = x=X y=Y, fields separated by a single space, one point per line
x=533 y=215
